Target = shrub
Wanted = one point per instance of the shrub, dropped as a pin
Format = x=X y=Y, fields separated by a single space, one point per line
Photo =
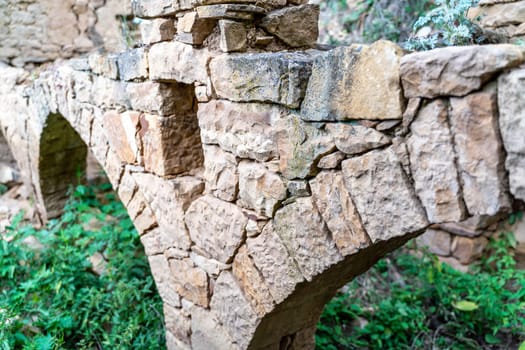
x=50 y=298
x=408 y=302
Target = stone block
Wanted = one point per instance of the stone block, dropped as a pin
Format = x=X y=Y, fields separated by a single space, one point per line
x=190 y=282
x=383 y=195
x=266 y=77
x=156 y=30
x=331 y=161
x=160 y=270
x=158 y=8
x=222 y=178
x=297 y=26
x=133 y=64
x=436 y=241
x=230 y=11
x=466 y=249
x=121 y=132
x=195 y=28
x=356 y=139
x=177 y=323
x=160 y=98
x=233 y=36
x=356 y=82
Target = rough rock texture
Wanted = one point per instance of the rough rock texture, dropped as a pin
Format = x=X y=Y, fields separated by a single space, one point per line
x=384 y=214
x=356 y=82
x=456 y=71
x=511 y=103
x=433 y=168
x=356 y=139
x=296 y=26
x=436 y=241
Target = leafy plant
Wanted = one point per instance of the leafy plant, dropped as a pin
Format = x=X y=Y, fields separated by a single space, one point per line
x=450 y=26
x=50 y=295
x=408 y=302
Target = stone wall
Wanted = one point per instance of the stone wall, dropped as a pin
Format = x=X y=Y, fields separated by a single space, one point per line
x=261 y=182
x=36 y=31
x=503 y=16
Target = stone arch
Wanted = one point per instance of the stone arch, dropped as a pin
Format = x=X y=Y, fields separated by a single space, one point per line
x=62 y=161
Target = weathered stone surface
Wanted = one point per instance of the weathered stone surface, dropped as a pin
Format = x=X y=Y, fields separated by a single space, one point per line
x=338 y=211
x=304 y=233
x=190 y=282
x=355 y=139
x=233 y=36
x=207 y=333
x=279 y=270
x=251 y=282
x=297 y=26
x=159 y=98
x=160 y=270
x=175 y=61
x=436 y=241
x=301 y=145
x=105 y=65
x=332 y=160
x=466 y=250
x=299 y=188
x=121 y=130
x=233 y=309
x=356 y=82
x=157 y=8
x=225 y=219
x=222 y=178
x=170 y=145
x=511 y=102
x=499 y=14
x=230 y=11
x=246 y=130
x=474 y=124
x=456 y=71
x=156 y=30
x=259 y=188
x=177 y=323
x=267 y=77
x=196 y=28
x=133 y=64
x=382 y=195
x=433 y=167
x=212 y=267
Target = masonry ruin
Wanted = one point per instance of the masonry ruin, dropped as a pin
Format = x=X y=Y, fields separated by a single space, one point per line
x=263 y=173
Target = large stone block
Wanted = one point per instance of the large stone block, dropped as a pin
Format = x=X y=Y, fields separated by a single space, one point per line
x=433 y=167
x=306 y=236
x=511 y=102
x=175 y=61
x=356 y=82
x=480 y=157
x=267 y=77
x=156 y=30
x=456 y=71
x=216 y=227
x=222 y=178
x=190 y=282
x=160 y=98
x=297 y=26
x=383 y=195
x=259 y=188
x=338 y=211
x=246 y=130
x=160 y=270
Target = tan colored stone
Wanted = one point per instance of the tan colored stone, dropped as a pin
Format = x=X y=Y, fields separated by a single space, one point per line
x=177 y=323
x=251 y=282
x=246 y=130
x=222 y=178
x=383 y=195
x=260 y=189
x=133 y=64
x=331 y=161
x=233 y=36
x=170 y=145
x=304 y=233
x=301 y=146
x=158 y=8
x=159 y=98
x=480 y=158
x=279 y=77
x=207 y=333
x=466 y=250
x=338 y=211
x=297 y=26
x=121 y=130
x=212 y=267
x=356 y=139
x=229 y=11
x=190 y=282
x=456 y=71
x=160 y=270
x=175 y=61
x=156 y=30
x=511 y=102
x=433 y=167
x=357 y=82
x=193 y=30
x=105 y=65
x=225 y=219
x=278 y=268
x=499 y=14
x=436 y=241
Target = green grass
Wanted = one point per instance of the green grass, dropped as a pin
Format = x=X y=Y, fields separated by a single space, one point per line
x=50 y=298
x=411 y=302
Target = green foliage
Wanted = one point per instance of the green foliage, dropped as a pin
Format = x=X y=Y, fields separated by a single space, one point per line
x=50 y=298
x=450 y=26
x=409 y=302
